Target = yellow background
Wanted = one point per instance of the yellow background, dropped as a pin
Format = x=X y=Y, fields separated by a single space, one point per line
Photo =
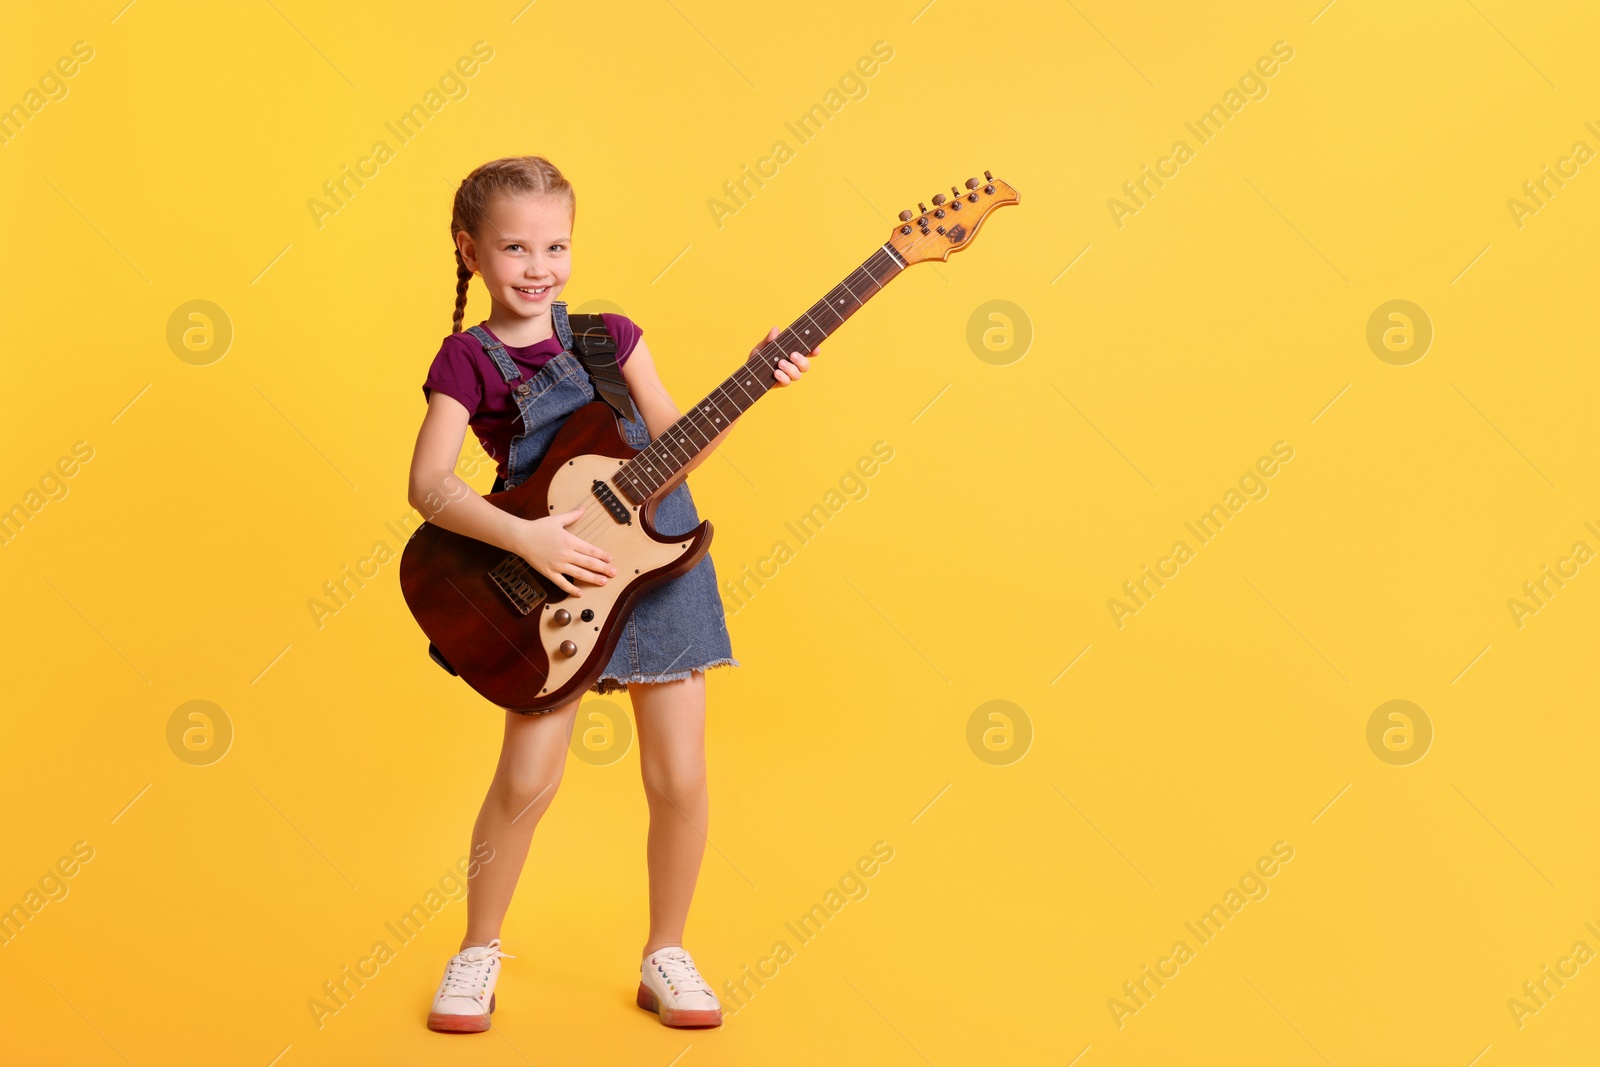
x=1230 y=713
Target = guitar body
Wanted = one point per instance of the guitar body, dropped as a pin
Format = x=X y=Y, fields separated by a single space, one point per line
x=507 y=630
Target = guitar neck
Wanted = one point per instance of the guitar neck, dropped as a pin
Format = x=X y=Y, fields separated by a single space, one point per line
x=659 y=463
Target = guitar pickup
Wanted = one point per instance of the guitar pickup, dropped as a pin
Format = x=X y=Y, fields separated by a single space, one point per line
x=515 y=577
x=609 y=501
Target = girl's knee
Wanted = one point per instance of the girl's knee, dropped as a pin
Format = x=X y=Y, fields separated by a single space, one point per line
x=679 y=785
x=527 y=792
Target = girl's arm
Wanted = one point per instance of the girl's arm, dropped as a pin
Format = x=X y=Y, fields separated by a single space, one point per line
x=438 y=492
x=450 y=503
x=657 y=408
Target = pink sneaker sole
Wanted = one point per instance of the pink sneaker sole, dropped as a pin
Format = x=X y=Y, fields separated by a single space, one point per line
x=460 y=1024
x=682 y=1018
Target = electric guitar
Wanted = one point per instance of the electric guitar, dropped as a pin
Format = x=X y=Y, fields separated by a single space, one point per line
x=520 y=640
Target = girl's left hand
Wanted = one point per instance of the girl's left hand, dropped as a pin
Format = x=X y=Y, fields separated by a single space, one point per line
x=788 y=370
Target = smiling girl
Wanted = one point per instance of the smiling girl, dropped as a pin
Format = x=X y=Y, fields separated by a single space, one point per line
x=512 y=225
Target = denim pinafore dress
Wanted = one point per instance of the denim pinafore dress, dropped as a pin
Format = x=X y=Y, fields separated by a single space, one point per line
x=678 y=626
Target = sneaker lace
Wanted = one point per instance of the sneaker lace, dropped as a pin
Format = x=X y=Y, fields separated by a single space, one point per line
x=681 y=972
x=467 y=969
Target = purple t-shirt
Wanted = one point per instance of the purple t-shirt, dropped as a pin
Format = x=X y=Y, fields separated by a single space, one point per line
x=463 y=370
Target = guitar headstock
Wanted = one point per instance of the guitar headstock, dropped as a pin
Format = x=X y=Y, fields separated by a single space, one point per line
x=953 y=221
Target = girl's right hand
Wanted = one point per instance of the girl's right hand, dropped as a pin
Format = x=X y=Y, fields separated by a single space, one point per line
x=555 y=553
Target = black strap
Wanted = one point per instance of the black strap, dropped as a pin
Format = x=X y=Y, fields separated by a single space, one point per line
x=596 y=349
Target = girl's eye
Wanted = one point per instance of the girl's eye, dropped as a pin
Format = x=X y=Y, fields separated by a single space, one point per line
x=556 y=246
x=509 y=247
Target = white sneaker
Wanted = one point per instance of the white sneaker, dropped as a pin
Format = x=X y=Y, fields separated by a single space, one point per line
x=670 y=986
x=466 y=995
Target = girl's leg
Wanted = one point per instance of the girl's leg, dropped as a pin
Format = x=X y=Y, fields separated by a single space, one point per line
x=531 y=761
x=672 y=756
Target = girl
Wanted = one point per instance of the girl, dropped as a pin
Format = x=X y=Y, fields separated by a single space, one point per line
x=514 y=380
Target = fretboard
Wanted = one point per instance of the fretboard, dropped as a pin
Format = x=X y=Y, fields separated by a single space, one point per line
x=685 y=439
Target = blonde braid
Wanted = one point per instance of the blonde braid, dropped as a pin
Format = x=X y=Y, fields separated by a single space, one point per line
x=463 y=276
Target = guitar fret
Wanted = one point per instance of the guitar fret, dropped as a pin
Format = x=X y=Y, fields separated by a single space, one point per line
x=860 y=299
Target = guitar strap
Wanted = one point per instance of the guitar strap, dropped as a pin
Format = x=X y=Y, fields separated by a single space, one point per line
x=597 y=351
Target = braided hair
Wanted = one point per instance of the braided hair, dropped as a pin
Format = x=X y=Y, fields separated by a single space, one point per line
x=512 y=175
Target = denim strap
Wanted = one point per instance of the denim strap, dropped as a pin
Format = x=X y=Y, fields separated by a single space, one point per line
x=497 y=352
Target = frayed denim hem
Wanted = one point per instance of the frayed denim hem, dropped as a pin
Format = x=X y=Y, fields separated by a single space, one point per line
x=609 y=683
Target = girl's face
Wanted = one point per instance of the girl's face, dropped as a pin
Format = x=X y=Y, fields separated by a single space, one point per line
x=524 y=253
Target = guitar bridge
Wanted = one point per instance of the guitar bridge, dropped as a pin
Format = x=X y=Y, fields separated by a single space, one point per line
x=516 y=580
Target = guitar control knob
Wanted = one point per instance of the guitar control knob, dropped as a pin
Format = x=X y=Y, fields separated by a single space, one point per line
x=938 y=198
x=906 y=216
x=562 y=616
x=973 y=183
x=568 y=648
x=588 y=615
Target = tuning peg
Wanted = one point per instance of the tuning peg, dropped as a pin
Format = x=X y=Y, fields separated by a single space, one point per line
x=973 y=183
x=922 y=207
x=906 y=216
x=938 y=199
x=987 y=176
x=955 y=192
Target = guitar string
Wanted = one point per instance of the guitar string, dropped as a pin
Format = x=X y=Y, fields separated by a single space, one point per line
x=587 y=528
x=666 y=442
x=596 y=521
